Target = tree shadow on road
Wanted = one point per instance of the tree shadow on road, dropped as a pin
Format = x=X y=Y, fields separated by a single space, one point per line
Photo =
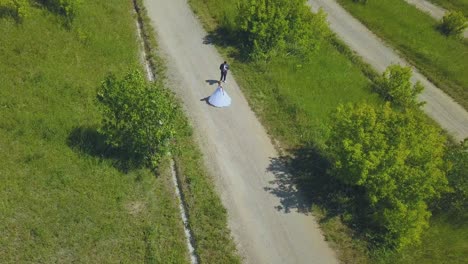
x=302 y=180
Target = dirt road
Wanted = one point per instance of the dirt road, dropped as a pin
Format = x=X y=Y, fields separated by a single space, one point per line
x=237 y=149
x=433 y=10
x=440 y=107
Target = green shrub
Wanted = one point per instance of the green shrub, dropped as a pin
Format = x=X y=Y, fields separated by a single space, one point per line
x=67 y=8
x=360 y=1
x=455 y=202
x=396 y=158
x=267 y=27
x=453 y=23
x=19 y=9
x=395 y=86
x=137 y=116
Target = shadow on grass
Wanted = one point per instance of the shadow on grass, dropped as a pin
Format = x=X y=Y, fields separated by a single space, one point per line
x=302 y=180
x=8 y=12
x=88 y=141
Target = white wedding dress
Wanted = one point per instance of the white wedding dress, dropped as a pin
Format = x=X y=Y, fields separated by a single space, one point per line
x=219 y=98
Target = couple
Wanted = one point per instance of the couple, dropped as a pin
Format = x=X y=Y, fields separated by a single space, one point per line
x=220 y=98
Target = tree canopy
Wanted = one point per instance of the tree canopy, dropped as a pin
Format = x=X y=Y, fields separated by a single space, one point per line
x=272 y=26
x=137 y=116
x=397 y=159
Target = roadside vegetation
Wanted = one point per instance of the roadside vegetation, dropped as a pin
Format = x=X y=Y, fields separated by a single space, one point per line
x=63 y=198
x=454 y=5
x=372 y=186
x=76 y=186
x=441 y=59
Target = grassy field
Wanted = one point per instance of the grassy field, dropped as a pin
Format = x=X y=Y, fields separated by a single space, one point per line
x=293 y=99
x=457 y=5
x=63 y=200
x=412 y=32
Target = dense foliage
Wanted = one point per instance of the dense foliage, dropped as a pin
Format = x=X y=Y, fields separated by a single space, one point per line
x=19 y=9
x=395 y=86
x=64 y=7
x=453 y=23
x=397 y=159
x=455 y=202
x=273 y=26
x=138 y=116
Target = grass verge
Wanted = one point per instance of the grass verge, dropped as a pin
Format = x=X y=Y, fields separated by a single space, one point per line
x=206 y=214
x=63 y=199
x=412 y=32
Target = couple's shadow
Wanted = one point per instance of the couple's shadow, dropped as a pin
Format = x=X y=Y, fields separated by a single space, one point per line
x=210 y=82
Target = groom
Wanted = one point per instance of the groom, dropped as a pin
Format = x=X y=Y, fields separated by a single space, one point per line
x=224 y=67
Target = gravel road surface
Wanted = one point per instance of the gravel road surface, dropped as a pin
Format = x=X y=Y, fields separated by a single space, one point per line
x=237 y=150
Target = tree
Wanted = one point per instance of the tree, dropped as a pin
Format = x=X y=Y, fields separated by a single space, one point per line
x=455 y=202
x=19 y=9
x=269 y=26
x=453 y=23
x=395 y=86
x=137 y=116
x=397 y=159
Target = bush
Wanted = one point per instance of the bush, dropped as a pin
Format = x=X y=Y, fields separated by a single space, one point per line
x=395 y=86
x=396 y=158
x=267 y=27
x=455 y=202
x=19 y=9
x=67 y=8
x=360 y=1
x=453 y=23
x=137 y=117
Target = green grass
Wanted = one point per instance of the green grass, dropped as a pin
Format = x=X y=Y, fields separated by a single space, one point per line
x=454 y=5
x=446 y=241
x=61 y=200
x=412 y=32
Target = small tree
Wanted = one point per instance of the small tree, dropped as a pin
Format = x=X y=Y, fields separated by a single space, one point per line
x=397 y=159
x=269 y=26
x=453 y=23
x=137 y=116
x=19 y=9
x=395 y=86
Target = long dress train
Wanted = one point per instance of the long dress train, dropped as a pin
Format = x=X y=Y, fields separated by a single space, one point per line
x=219 y=98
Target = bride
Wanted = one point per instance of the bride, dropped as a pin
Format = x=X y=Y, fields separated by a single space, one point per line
x=219 y=98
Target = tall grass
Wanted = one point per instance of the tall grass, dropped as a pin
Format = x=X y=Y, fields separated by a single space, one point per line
x=443 y=60
x=63 y=199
